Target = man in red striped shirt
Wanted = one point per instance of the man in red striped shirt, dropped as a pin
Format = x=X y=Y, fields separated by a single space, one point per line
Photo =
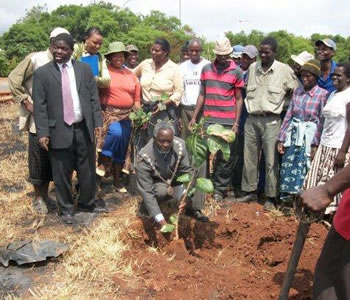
x=221 y=100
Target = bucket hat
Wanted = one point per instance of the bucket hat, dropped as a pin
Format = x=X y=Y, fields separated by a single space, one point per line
x=116 y=47
x=222 y=46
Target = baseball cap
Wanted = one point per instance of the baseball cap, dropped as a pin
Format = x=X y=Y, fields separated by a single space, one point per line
x=57 y=31
x=328 y=42
x=237 y=51
x=251 y=51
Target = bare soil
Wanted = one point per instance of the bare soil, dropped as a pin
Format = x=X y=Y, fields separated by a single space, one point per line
x=242 y=253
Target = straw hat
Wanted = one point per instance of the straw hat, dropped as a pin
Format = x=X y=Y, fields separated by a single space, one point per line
x=302 y=57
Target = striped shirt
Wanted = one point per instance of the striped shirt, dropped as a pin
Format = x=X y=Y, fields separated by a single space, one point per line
x=219 y=92
x=305 y=106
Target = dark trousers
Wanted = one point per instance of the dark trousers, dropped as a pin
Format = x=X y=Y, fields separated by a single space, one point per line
x=80 y=156
x=222 y=173
x=38 y=162
x=332 y=274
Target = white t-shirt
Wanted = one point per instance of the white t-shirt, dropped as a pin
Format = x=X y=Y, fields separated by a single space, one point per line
x=191 y=74
x=335 y=123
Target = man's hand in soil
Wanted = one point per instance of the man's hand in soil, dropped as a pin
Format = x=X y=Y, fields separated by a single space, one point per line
x=44 y=142
x=316 y=198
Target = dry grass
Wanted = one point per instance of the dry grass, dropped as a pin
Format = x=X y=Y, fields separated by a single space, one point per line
x=96 y=253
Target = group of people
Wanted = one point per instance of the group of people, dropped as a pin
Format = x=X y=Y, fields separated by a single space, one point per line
x=291 y=123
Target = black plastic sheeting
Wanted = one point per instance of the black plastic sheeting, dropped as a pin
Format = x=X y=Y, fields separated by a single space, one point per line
x=28 y=251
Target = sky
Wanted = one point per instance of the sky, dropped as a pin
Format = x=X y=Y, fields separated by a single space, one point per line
x=211 y=19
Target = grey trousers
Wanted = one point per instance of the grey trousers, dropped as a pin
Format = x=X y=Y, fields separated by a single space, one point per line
x=332 y=274
x=261 y=132
x=186 y=116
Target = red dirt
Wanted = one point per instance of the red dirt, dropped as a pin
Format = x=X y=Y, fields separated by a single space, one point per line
x=242 y=253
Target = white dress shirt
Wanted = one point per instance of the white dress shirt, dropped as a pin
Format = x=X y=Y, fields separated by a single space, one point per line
x=78 y=116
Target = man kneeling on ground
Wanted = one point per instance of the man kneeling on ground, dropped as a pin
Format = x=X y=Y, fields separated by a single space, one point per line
x=159 y=163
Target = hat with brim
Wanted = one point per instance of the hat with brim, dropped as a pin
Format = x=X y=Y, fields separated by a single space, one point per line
x=302 y=57
x=116 y=47
x=130 y=48
x=237 y=51
x=222 y=46
x=251 y=51
x=328 y=42
x=313 y=66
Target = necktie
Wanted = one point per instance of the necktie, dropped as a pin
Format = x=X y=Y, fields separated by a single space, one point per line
x=68 y=112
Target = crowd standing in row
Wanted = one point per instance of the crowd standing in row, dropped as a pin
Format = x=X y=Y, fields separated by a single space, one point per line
x=291 y=123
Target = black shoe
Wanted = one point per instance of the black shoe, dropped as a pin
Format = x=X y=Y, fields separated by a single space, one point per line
x=196 y=214
x=218 y=196
x=100 y=203
x=68 y=219
x=248 y=197
x=269 y=204
x=92 y=209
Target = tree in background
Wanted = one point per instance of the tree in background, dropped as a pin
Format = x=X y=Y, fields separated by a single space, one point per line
x=31 y=32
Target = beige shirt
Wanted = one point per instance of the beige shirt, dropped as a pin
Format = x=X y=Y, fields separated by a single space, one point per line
x=21 y=82
x=267 y=91
x=155 y=83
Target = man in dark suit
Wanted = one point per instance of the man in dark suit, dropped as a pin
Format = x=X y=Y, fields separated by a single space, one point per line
x=66 y=113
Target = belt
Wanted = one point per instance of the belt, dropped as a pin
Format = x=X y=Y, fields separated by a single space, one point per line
x=264 y=114
x=79 y=124
x=188 y=107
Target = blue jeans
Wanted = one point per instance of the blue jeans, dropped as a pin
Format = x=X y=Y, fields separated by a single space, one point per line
x=117 y=141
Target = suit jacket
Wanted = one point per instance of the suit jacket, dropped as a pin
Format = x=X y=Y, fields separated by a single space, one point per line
x=150 y=166
x=48 y=104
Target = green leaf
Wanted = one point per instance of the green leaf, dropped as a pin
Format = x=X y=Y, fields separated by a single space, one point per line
x=205 y=185
x=197 y=147
x=184 y=178
x=173 y=219
x=215 y=144
x=167 y=228
x=218 y=130
x=164 y=97
x=191 y=192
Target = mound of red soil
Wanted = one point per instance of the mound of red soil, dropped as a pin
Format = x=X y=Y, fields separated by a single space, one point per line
x=242 y=253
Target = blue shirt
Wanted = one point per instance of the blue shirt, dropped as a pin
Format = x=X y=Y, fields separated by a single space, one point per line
x=327 y=83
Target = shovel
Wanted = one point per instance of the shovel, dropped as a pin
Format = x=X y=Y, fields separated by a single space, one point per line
x=306 y=218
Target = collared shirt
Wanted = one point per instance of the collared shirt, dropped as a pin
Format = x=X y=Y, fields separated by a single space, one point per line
x=327 y=83
x=74 y=91
x=191 y=74
x=155 y=83
x=267 y=90
x=305 y=106
x=219 y=92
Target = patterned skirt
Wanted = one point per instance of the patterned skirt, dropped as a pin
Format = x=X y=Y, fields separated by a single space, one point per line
x=293 y=169
x=322 y=169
